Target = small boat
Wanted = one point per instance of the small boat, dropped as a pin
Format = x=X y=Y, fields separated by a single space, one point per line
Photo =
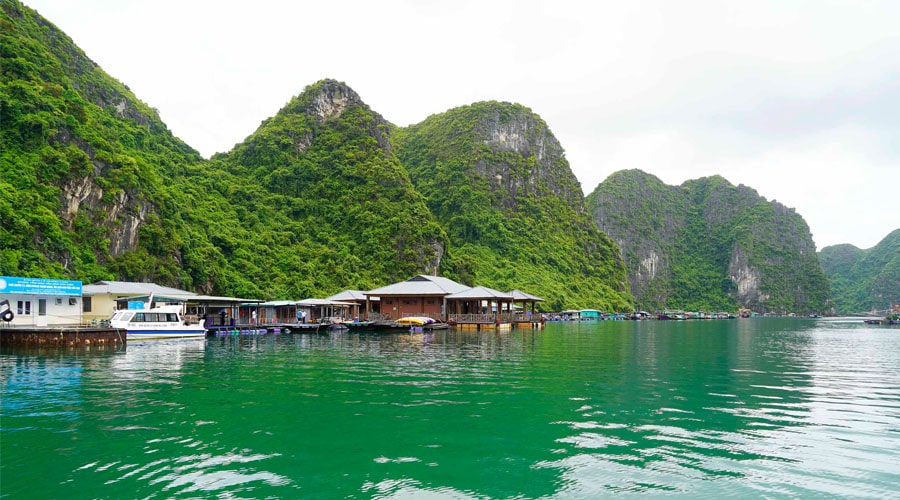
x=414 y=321
x=360 y=325
x=889 y=320
x=306 y=327
x=390 y=326
x=422 y=323
x=402 y=325
x=161 y=322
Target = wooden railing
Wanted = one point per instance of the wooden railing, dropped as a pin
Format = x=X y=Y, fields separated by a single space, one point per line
x=486 y=318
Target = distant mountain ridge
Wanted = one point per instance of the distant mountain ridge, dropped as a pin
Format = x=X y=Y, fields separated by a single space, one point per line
x=327 y=194
x=709 y=245
x=94 y=186
x=864 y=280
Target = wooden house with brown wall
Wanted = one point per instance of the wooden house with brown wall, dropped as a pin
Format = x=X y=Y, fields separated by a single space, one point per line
x=420 y=295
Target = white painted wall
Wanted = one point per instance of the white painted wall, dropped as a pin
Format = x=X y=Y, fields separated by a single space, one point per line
x=59 y=309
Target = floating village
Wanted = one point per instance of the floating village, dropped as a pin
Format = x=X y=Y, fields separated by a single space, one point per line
x=42 y=311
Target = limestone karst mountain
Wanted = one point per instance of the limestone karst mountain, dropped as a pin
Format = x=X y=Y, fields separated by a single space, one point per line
x=327 y=194
x=864 y=280
x=497 y=180
x=708 y=244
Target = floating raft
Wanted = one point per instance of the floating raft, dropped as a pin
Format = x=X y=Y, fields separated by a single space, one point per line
x=227 y=331
x=69 y=336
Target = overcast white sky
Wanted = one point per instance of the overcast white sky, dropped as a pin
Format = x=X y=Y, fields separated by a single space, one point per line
x=799 y=100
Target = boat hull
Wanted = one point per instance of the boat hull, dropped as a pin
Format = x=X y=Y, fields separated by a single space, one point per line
x=163 y=334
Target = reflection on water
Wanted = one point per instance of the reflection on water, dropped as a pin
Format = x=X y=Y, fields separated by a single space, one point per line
x=718 y=408
x=157 y=359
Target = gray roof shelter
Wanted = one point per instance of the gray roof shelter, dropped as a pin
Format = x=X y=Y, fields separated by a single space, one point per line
x=418 y=286
x=132 y=288
x=525 y=298
x=421 y=295
x=479 y=300
x=359 y=301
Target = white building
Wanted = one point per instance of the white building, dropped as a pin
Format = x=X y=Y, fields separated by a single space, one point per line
x=39 y=301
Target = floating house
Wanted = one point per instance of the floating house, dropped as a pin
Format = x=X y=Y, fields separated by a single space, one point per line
x=357 y=300
x=590 y=315
x=324 y=311
x=420 y=295
x=444 y=299
x=524 y=300
x=271 y=312
x=39 y=301
x=480 y=306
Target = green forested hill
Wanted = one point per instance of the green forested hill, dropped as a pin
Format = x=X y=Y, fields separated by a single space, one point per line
x=93 y=185
x=709 y=245
x=497 y=180
x=320 y=201
x=327 y=195
x=864 y=280
x=83 y=164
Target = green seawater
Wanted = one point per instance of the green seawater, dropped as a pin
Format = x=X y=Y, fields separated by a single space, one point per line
x=759 y=408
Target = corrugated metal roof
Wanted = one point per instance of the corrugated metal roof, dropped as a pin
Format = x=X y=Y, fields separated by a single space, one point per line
x=481 y=292
x=322 y=302
x=520 y=296
x=216 y=298
x=131 y=288
x=206 y=299
x=273 y=303
x=349 y=295
x=418 y=286
x=156 y=298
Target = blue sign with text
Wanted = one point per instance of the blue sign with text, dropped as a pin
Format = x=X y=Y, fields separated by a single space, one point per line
x=39 y=286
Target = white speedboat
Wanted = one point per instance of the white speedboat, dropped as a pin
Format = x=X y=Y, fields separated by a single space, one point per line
x=161 y=322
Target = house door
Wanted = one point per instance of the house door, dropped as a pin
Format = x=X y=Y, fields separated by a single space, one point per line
x=42 y=313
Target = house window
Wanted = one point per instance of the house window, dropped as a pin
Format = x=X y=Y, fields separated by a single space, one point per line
x=73 y=301
x=86 y=304
x=42 y=307
x=23 y=307
x=59 y=301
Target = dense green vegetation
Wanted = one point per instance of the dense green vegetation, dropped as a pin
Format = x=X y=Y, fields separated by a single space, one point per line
x=864 y=280
x=325 y=203
x=80 y=159
x=709 y=245
x=498 y=182
x=94 y=186
x=327 y=195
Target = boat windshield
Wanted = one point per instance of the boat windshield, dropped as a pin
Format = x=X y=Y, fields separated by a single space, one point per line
x=122 y=316
x=147 y=317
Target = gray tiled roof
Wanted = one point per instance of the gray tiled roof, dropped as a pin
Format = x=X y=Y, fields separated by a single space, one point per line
x=131 y=288
x=520 y=296
x=418 y=286
x=481 y=292
x=348 y=295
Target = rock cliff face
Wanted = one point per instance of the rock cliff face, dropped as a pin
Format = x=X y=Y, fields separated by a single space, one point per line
x=513 y=133
x=708 y=244
x=498 y=181
x=121 y=215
